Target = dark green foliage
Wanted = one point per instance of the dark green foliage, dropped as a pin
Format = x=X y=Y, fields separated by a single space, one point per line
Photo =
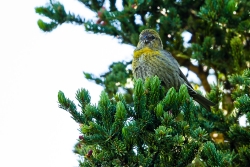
x=150 y=133
x=214 y=157
x=160 y=128
x=56 y=12
x=219 y=28
x=151 y=126
x=114 y=79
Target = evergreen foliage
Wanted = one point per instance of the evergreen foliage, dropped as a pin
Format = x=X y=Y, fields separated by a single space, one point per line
x=220 y=30
x=161 y=129
x=150 y=126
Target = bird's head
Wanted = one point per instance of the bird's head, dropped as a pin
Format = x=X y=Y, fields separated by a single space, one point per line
x=149 y=38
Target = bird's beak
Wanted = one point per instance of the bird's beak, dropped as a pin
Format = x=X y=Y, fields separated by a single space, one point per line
x=145 y=39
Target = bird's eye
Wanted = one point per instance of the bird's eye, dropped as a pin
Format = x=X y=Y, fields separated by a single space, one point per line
x=152 y=37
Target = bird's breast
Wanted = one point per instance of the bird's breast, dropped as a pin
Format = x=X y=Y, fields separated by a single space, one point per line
x=145 y=52
x=144 y=57
x=143 y=64
x=147 y=63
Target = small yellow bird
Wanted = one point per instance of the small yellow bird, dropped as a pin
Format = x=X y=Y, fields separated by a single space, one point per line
x=151 y=59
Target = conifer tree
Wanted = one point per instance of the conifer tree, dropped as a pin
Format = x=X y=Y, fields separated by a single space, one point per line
x=150 y=126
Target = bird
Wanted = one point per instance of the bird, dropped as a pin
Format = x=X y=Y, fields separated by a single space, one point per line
x=150 y=59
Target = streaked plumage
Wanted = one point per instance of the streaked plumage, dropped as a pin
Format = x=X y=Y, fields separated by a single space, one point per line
x=151 y=59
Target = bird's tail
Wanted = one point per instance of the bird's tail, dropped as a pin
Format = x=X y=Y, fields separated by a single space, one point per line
x=203 y=101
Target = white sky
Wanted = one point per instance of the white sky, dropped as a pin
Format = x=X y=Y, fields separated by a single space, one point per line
x=34 y=66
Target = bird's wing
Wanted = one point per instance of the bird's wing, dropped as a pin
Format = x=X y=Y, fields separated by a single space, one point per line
x=173 y=60
x=189 y=86
x=185 y=79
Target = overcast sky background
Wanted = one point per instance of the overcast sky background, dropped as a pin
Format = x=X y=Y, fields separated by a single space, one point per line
x=34 y=66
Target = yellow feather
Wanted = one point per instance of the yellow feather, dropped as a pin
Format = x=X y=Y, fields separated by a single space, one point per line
x=145 y=51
